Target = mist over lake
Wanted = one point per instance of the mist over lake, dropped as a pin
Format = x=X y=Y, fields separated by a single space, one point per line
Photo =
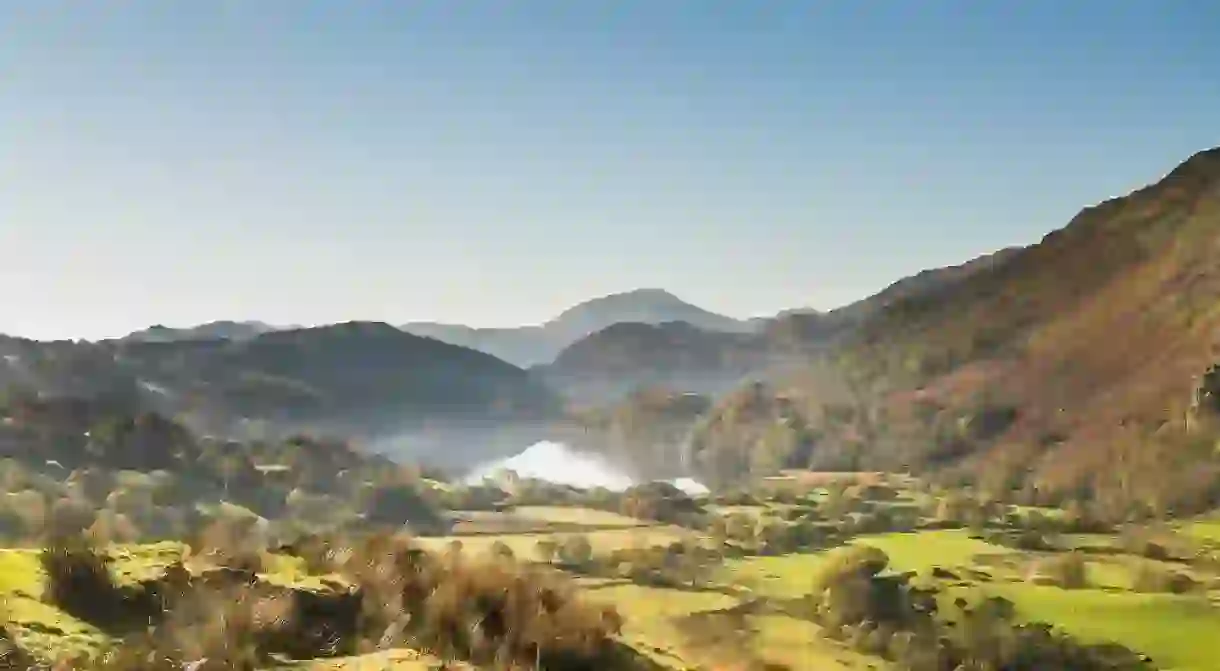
x=556 y=462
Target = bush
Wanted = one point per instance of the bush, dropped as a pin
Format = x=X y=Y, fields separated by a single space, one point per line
x=399 y=505
x=322 y=554
x=70 y=517
x=1069 y=571
x=112 y=527
x=12 y=657
x=79 y=582
x=230 y=543
x=576 y=550
x=545 y=550
x=863 y=560
x=1151 y=577
x=501 y=550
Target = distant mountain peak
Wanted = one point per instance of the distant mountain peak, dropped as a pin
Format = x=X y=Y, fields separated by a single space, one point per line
x=224 y=329
x=531 y=345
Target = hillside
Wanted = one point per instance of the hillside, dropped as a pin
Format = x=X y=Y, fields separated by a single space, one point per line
x=360 y=378
x=532 y=345
x=1064 y=368
x=228 y=330
x=1091 y=341
x=616 y=360
x=924 y=286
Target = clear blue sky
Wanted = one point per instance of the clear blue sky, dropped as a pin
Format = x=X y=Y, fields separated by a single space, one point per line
x=492 y=162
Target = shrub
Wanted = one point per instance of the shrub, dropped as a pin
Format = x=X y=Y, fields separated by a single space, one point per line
x=576 y=550
x=501 y=550
x=112 y=527
x=12 y=657
x=544 y=550
x=1151 y=577
x=1069 y=571
x=321 y=553
x=79 y=582
x=230 y=543
x=69 y=517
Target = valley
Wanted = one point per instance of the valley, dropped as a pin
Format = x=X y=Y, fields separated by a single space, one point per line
x=964 y=471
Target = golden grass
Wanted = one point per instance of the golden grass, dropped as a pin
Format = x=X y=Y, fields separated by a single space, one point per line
x=784 y=576
x=650 y=617
x=799 y=644
x=395 y=660
x=580 y=516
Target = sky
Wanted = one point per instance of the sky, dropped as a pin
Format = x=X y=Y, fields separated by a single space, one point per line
x=492 y=162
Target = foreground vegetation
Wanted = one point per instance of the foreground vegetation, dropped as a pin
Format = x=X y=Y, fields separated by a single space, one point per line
x=854 y=571
x=134 y=544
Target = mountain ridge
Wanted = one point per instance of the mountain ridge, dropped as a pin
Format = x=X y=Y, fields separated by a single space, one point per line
x=365 y=379
x=541 y=343
x=1066 y=367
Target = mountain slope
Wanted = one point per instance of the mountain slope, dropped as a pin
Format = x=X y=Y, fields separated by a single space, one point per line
x=228 y=330
x=623 y=357
x=607 y=364
x=358 y=377
x=531 y=345
x=1095 y=336
x=1064 y=369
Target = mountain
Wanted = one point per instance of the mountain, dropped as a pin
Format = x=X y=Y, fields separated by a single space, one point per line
x=620 y=358
x=607 y=364
x=532 y=345
x=1065 y=368
x=924 y=285
x=362 y=378
x=228 y=330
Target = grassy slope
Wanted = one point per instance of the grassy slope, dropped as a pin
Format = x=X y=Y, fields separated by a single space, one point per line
x=1206 y=530
x=1178 y=632
x=923 y=550
x=44 y=629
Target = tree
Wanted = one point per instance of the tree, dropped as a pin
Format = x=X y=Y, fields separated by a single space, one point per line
x=500 y=550
x=545 y=549
x=1069 y=571
x=396 y=505
x=576 y=550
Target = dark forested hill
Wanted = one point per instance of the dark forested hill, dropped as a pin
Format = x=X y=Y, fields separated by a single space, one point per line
x=358 y=376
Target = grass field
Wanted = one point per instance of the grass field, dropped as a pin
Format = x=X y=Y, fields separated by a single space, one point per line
x=923 y=550
x=785 y=576
x=1207 y=530
x=1178 y=632
x=38 y=627
x=799 y=644
x=650 y=615
x=582 y=516
x=654 y=618
x=679 y=628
